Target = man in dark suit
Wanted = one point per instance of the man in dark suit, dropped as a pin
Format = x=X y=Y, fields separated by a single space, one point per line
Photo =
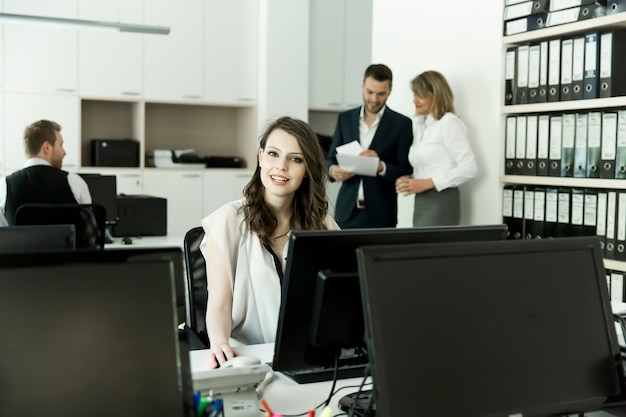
x=371 y=201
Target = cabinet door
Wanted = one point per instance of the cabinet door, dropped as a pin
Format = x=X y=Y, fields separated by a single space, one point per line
x=41 y=59
x=129 y=182
x=110 y=64
x=174 y=63
x=326 y=54
x=230 y=51
x=183 y=191
x=358 y=49
x=223 y=186
x=23 y=109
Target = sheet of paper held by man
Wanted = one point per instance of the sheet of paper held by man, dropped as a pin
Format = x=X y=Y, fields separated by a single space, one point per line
x=349 y=159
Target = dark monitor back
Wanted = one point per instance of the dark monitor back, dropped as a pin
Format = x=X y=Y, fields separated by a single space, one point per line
x=37 y=238
x=334 y=250
x=91 y=334
x=489 y=329
x=103 y=190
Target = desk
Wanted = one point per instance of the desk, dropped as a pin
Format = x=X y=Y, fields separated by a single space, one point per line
x=148 y=242
x=284 y=395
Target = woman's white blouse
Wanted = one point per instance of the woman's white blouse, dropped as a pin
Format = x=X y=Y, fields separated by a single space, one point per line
x=252 y=273
x=441 y=151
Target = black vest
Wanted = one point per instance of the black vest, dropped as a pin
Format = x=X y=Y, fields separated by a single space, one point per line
x=37 y=184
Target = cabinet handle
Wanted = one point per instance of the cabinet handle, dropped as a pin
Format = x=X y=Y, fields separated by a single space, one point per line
x=193 y=96
x=66 y=90
x=129 y=175
x=246 y=99
x=191 y=175
x=129 y=93
x=334 y=104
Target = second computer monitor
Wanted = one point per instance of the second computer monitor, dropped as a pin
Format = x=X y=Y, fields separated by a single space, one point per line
x=332 y=253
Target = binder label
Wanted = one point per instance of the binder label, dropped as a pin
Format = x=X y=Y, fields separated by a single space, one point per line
x=591 y=209
x=563 y=16
x=518 y=10
x=507 y=202
x=563 y=4
x=606 y=49
x=609 y=132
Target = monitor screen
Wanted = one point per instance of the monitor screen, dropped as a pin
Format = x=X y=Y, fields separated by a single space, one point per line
x=103 y=190
x=333 y=251
x=489 y=329
x=91 y=333
x=37 y=238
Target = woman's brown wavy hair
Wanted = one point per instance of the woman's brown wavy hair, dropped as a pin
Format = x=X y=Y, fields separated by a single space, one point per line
x=310 y=206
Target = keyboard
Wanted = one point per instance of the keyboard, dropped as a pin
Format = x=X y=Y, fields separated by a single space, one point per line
x=326 y=374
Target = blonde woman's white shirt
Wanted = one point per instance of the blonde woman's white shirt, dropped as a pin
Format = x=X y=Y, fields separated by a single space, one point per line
x=441 y=151
x=251 y=271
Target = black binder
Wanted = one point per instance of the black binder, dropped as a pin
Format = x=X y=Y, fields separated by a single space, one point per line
x=592 y=65
x=510 y=65
x=552 y=212
x=539 y=218
x=594 y=143
x=529 y=212
x=580 y=146
x=567 y=144
x=530 y=164
x=556 y=123
x=578 y=67
x=543 y=72
x=601 y=219
x=520 y=145
x=611 y=227
x=612 y=63
x=543 y=145
x=567 y=51
x=620 y=153
x=620 y=224
x=590 y=212
x=554 y=70
x=577 y=215
x=509 y=146
x=521 y=74
x=507 y=209
x=609 y=145
x=517 y=222
x=564 y=212
x=534 y=61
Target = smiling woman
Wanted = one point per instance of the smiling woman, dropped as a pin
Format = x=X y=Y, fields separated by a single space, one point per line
x=245 y=243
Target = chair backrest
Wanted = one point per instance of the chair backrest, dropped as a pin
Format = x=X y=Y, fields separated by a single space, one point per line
x=195 y=270
x=88 y=219
x=37 y=238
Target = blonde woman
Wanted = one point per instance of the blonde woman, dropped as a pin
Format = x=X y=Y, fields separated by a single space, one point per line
x=441 y=154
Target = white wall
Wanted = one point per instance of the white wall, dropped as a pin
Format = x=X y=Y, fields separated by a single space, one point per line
x=463 y=41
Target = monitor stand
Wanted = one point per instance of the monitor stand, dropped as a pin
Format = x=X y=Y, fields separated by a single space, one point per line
x=359 y=403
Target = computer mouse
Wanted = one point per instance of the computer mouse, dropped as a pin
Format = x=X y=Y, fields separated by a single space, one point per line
x=127 y=240
x=241 y=361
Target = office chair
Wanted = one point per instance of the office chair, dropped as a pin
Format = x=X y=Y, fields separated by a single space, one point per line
x=88 y=219
x=195 y=271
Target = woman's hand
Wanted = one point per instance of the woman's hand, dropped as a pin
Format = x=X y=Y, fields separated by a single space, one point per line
x=220 y=354
x=407 y=185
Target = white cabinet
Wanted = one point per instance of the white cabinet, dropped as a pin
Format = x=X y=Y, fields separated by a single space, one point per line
x=173 y=64
x=340 y=50
x=110 y=64
x=20 y=110
x=358 y=49
x=222 y=186
x=40 y=59
x=184 y=193
x=129 y=182
x=230 y=67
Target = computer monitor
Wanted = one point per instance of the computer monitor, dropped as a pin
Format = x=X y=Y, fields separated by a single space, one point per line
x=333 y=251
x=92 y=333
x=37 y=238
x=513 y=328
x=103 y=190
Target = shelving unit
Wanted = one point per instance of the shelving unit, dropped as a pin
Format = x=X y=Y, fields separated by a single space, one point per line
x=605 y=23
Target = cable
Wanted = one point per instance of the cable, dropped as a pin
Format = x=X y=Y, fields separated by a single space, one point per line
x=358 y=394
